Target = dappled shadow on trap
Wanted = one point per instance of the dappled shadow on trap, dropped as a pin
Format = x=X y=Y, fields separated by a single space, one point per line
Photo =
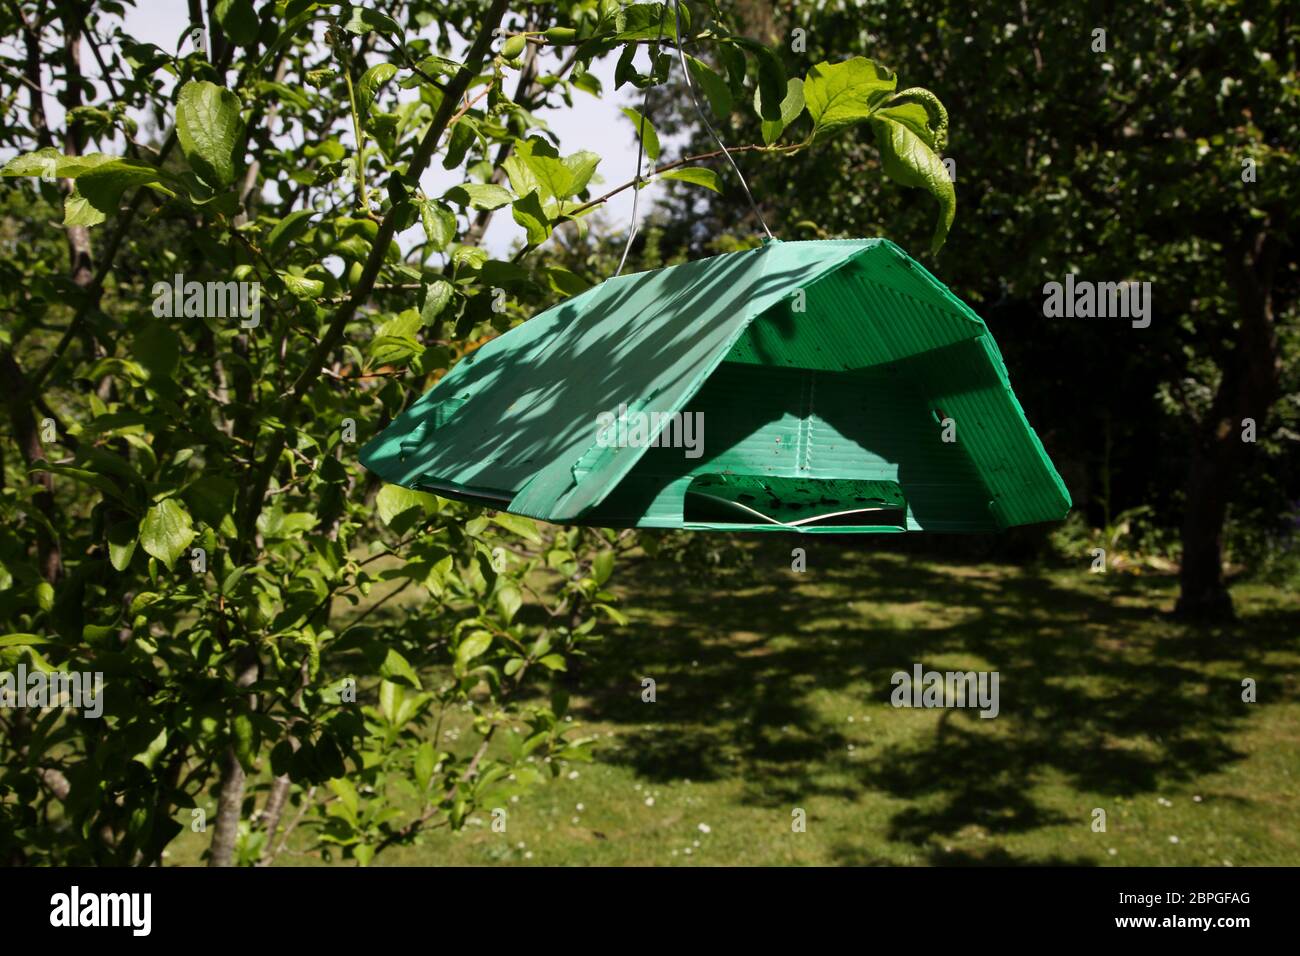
x=1113 y=699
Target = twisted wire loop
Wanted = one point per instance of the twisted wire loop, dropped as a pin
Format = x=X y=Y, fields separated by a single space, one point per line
x=640 y=149
x=690 y=86
x=640 y=145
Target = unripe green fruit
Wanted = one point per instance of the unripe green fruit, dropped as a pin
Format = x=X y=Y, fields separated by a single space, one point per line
x=559 y=36
x=513 y=47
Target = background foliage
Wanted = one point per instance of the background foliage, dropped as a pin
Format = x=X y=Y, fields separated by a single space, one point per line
x=1120 y=160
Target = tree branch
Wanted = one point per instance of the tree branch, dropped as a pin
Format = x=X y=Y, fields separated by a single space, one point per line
x=794 y=147
x=333 y=335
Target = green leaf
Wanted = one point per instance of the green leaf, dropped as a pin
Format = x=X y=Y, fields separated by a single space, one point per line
x=462 y=138
x=99 y=482
x=625 y=69
x=143 y=600
x=301 y=287
x=238 y=19
x=439 y=66
x=436 y=298
x=588 y=83
x=166 y=531
x=558 y=178
x=439 y=223
x=475 y=645
x=122 y=538
x=479 y=195
x=363 y=21
x=349 y=799
x=920 y=111
x=714 y=86
x=732 y=58
x=149 y=756
x=113 y=464
x=52 y=164
x=911 y=115
x=393 y=350
x=791 y=106
x=498 y=272
x=99 y=190
x=22 y=640
x=43 y=162
x=405 y=323
x=371 y=81
x=553 y=662
x=77 y=211
x=398 y=669
x=840 y=94
x=509 y=600
x=771 y=82
x=615 y=615
x=581 y=166
x=390 y=699
x=426 y=758
x=211 y=499
x=288 y=229
x=522 y=178
x=602 y=566
x=646 y=131
x=908 y=160
x=524 y=527
x=565 y=282
x=696 y=175
x=469 y=257
x=650 y=21
x=395 y=340
x=158 y=349
x=528 y=212
x=208 y=128
x=393 y=500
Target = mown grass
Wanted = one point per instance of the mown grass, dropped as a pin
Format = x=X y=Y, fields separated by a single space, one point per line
x=773 y=695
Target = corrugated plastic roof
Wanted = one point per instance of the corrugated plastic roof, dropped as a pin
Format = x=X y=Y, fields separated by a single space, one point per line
x=833 y=362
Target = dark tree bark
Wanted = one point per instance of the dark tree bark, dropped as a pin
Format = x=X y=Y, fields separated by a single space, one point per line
x=17 y=397
x=1249 y=387
x=1203 y=593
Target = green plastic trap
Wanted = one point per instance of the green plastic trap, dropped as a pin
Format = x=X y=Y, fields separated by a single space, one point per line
x=828 y=386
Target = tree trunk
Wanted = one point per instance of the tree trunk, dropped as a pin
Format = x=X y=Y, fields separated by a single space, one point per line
x=230 y=797
x=1248 y=389
x=15 y=387
x=230 y=800
x=1203 y=594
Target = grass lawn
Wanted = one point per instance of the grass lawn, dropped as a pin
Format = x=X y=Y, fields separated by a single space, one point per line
x=773 y=694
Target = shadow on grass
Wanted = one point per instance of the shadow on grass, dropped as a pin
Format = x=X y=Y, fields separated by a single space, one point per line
x=1098 y=687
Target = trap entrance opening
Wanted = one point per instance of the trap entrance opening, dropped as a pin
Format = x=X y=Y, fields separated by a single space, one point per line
x=725 y=498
